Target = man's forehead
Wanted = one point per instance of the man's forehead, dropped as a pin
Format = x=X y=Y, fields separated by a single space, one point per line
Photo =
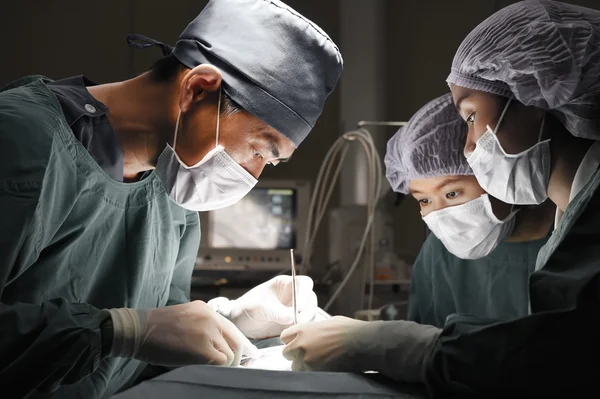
x=260 y=127
x=256 y=125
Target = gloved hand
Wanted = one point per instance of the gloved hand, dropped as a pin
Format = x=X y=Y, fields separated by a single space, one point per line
x=397 y=349
x=178 y=335
x=266 y=310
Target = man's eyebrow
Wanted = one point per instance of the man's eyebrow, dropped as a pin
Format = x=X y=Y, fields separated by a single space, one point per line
x=273 y=146
x=275 y=152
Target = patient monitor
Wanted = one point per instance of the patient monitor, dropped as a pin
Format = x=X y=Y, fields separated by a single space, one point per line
x=256 y=233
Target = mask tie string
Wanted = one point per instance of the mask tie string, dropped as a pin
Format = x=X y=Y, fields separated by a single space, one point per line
x=502 y=116
x=542 y=128
x=176 y=131
x=218 y=118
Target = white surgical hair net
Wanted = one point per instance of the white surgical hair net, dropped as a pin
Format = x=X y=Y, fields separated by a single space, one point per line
x=430 y=145
x=543 y=53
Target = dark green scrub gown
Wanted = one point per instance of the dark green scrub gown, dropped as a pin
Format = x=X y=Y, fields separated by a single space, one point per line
x=555 y=351
x=73 y=242
x=495 y=286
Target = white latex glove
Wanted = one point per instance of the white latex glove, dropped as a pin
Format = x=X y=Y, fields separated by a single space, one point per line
x=266 y=310
x=178 y=335
x=397 y=349
x=321 y=345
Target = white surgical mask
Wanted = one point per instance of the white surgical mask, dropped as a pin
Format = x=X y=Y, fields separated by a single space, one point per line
x=470 y=230
x=519 y=179
x=215 y=182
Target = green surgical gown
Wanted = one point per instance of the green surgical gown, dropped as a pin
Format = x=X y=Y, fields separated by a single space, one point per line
x=74 y=242
x=555 y=351
x=495 y=286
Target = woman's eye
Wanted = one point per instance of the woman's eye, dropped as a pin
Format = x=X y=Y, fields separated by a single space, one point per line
x=471 y=119
x=452 y=195
x=424 y=202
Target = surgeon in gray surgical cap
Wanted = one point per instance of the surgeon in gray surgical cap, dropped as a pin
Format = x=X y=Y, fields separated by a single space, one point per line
x=102 y=185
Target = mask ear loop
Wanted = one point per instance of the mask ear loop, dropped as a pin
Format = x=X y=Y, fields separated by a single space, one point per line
x=218 y=124
x=542 y=128
x=176 y=131
x=502 y=116
x=218 y=117
x=174 y=150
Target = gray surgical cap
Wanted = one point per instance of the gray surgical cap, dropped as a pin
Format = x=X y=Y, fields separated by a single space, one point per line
x=276 y=64
x=543 y=53
x=431 y=144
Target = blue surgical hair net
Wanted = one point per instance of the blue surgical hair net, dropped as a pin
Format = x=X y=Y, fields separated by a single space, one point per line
x=543 y=53
x=430 y=145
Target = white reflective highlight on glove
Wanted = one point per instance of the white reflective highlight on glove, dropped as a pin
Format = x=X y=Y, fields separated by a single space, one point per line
x=398 y=349
x=266 y=310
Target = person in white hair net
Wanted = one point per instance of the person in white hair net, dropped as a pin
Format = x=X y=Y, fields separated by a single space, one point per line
x=482 y=251
x=526 y=82
x=543 y=54
x=425 y=158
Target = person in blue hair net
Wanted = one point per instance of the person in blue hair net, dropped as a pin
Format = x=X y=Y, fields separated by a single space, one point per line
x=482 y=251
x=101 y=187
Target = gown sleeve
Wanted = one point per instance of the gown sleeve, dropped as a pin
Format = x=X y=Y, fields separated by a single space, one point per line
x=51 y=343
x=552 y=352
x=549 y=354
x=55 y=342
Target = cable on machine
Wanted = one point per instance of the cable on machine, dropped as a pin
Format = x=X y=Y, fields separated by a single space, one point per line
x=325 y=183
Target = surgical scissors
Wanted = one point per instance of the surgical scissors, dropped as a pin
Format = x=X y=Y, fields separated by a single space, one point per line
x=294 y=288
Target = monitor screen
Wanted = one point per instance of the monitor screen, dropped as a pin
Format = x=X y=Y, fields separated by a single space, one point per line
x=263 y=219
